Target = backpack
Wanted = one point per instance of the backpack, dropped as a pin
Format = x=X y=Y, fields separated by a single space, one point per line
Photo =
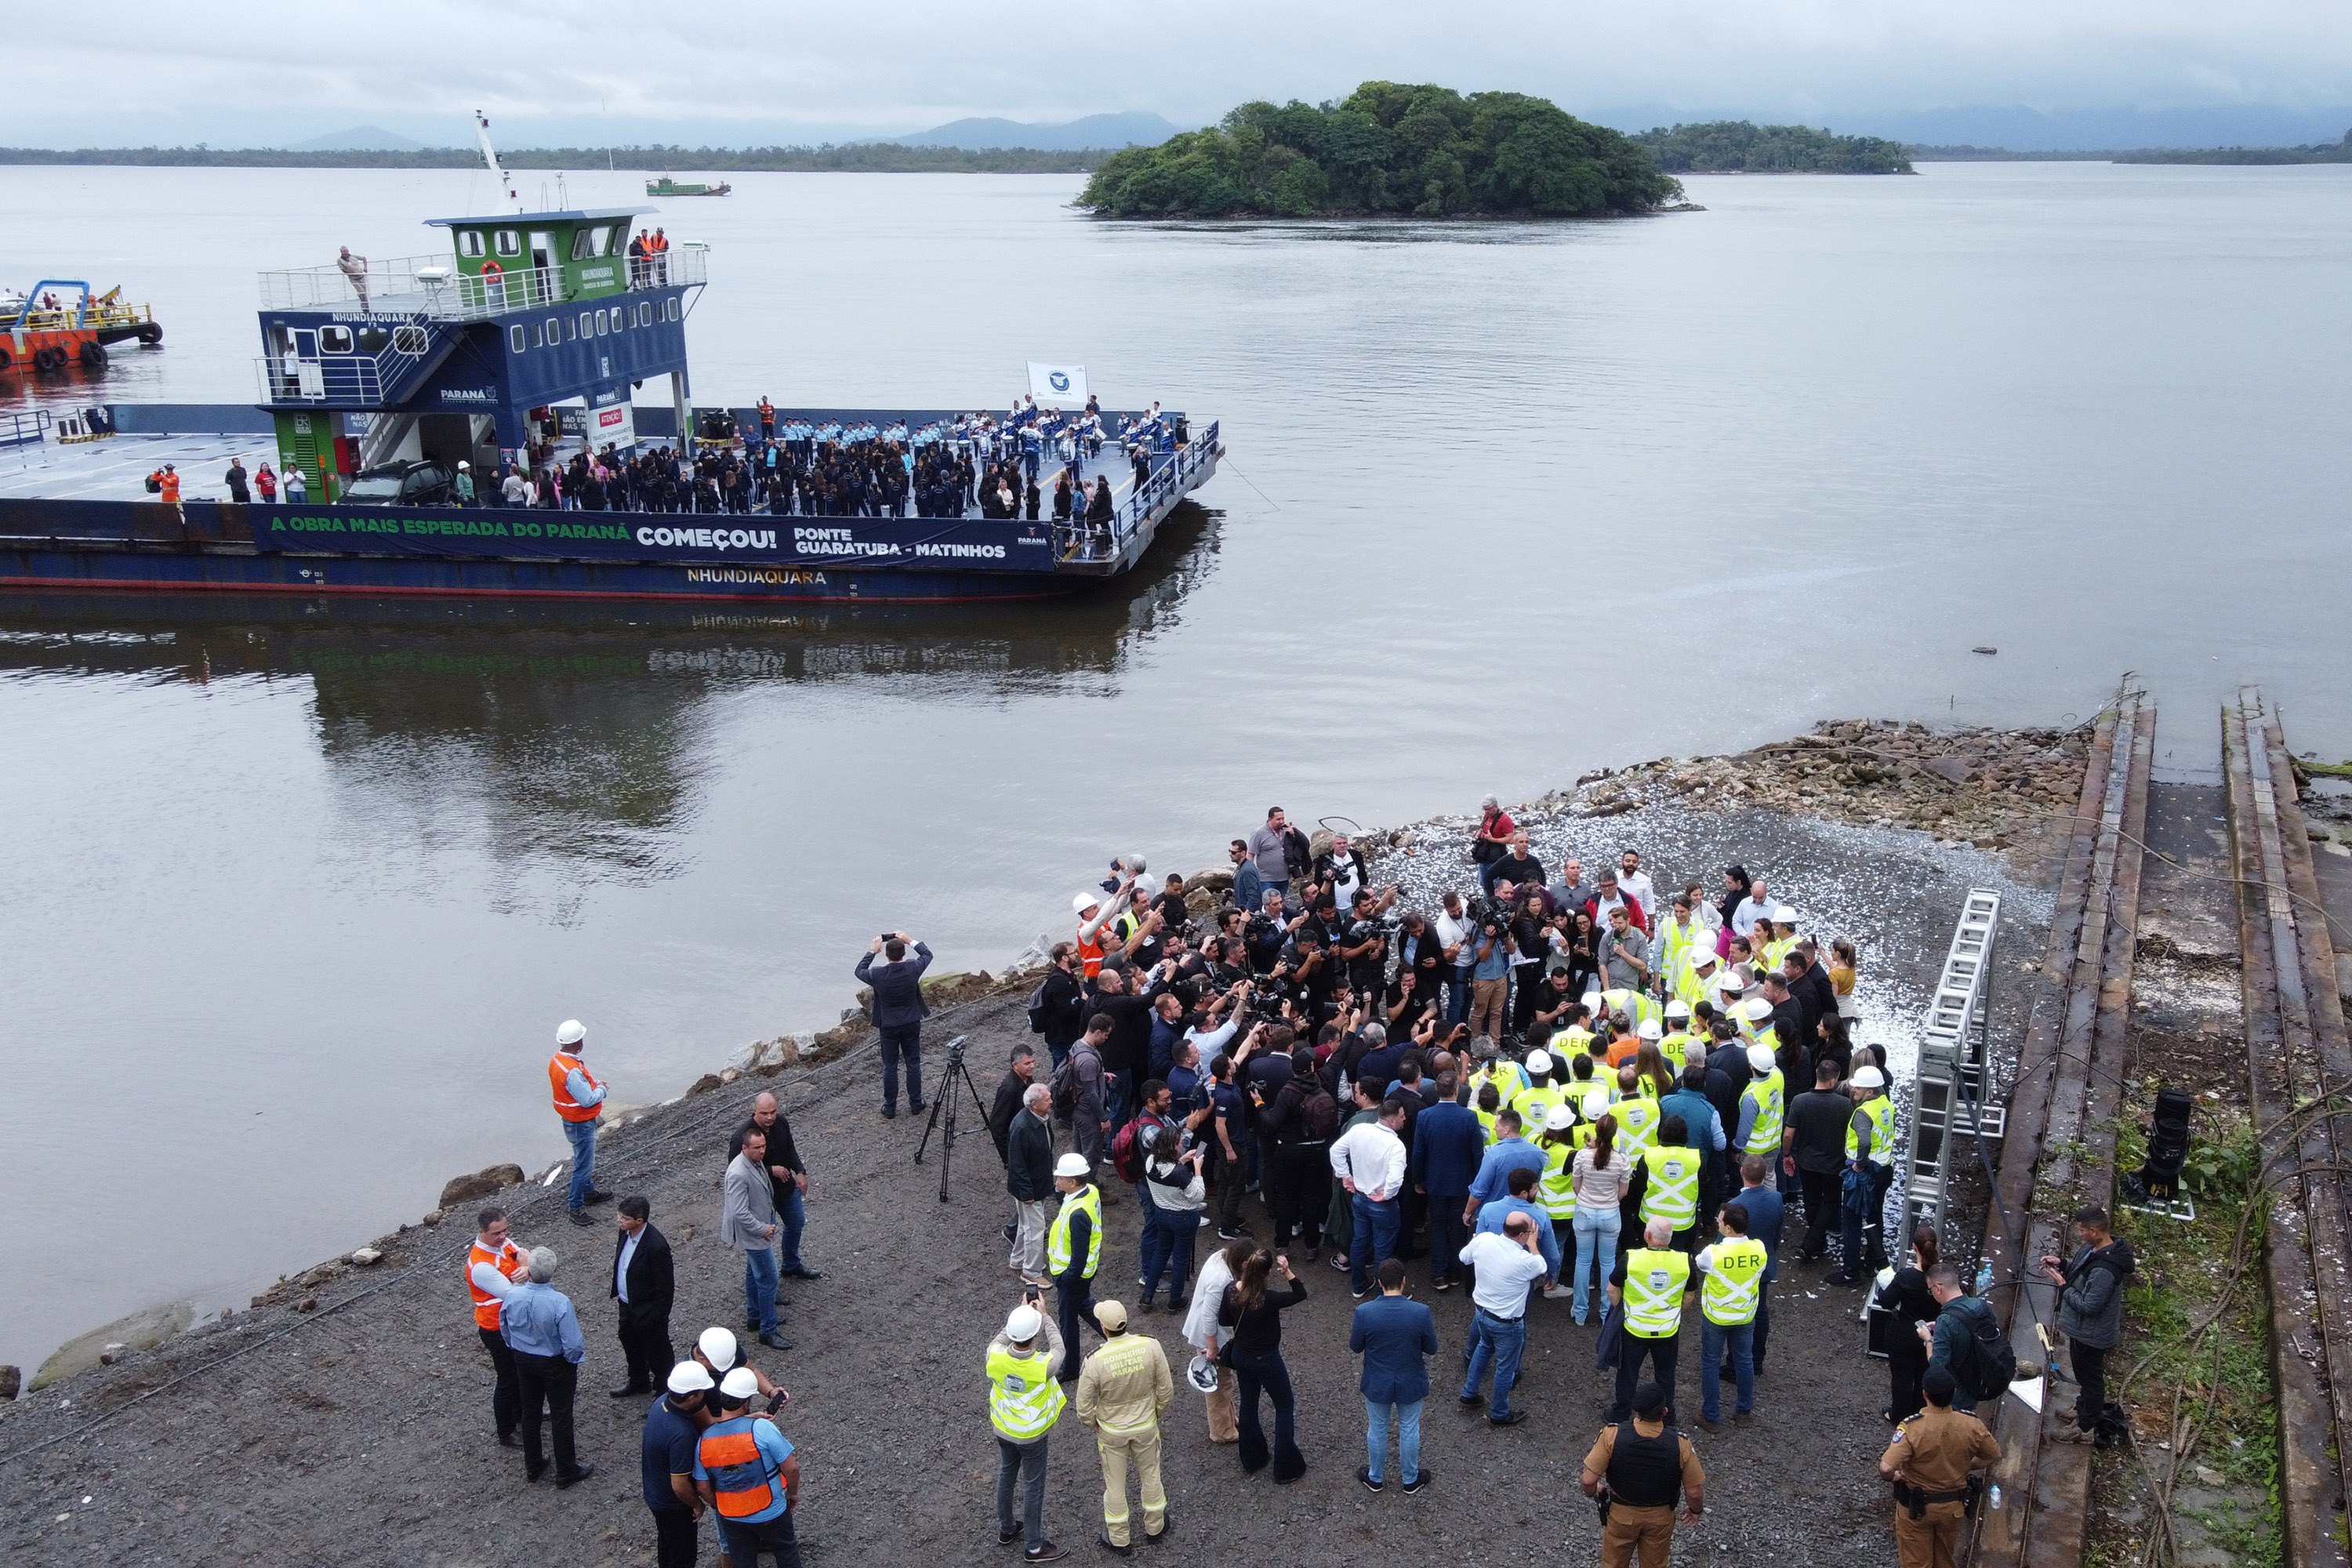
x=1037 y=1009
x=1126 y=1156
x=1319 y=1116
x=1065 y=1085
x=1992 y=1364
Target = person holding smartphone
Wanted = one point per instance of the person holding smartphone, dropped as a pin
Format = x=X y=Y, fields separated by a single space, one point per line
x=1252 y=1309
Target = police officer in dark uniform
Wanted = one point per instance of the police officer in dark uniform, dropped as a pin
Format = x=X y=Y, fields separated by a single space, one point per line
x=1638 y=1468
x=1929 y=1463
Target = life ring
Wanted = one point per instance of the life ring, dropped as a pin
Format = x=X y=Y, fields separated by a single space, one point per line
x=492 y=269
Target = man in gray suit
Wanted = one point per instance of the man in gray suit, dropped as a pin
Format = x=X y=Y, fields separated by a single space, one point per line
x=898 y=1010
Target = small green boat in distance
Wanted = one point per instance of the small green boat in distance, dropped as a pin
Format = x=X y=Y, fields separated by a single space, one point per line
x=665 y=186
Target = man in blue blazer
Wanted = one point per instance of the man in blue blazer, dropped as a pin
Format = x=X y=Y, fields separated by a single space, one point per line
x=1447 y=1146
x=1396 y=1339
x=898 y=1010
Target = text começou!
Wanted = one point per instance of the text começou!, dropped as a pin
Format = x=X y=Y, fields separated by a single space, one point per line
x=830 y=542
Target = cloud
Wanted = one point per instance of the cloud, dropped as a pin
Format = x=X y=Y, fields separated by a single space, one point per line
x=276 y=71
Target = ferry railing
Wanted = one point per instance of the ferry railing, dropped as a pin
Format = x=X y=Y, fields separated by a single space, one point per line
x=353 y=378
x=26 y=429
x=1166 y=482
x=432 y=287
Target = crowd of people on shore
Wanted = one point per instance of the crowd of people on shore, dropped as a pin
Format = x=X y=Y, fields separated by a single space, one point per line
x=1586 y=1097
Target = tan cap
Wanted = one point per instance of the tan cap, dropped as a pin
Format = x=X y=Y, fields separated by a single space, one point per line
x=1111 y=1315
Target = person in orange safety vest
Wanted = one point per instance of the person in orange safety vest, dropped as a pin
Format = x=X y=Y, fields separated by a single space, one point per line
x=577 y=1095
x=493 y=1265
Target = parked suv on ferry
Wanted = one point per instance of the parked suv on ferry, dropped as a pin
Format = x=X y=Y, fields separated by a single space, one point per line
x=426 y=483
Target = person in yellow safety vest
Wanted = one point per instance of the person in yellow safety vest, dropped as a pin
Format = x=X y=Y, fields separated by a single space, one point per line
x=1666 y=1185
x=1783 y=939
x=1595 y=1107
x=1023 y=1401
x=1763 y=1106
x=744 y=1467
x=1652 y=1282
x=1073 y=1252
x=1534 y=1102
x=1869 y=1168
x=1678 y=1045
x=1556 y=1191
x=1695 y=981
x=1487 y=1106
x=1504 y=1074
x=1631 y=1007
x=577 y=1095
x=1122 y=1394
x=1733 y=1285
x=1756 y=1023
x=1681 y=934
x=1636 y=1113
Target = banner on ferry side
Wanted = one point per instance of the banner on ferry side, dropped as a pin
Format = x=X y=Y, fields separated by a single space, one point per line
x=753 y=539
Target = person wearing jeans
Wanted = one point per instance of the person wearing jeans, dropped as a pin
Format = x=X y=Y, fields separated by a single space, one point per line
x=1370 y=1162
x=1396 y=1338
x=578 y=1096
x=898 y=1010
x=1023 y=1401
x=747 y=1221
x=1505 y=1266
x=1733 y=1287
x=1178 y=1199
x=1600 y=1174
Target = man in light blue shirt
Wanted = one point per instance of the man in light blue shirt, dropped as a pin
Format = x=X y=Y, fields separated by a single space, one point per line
x=1507 y=1153
x=745 y=1470
x=1495 y=1215
x=541 y=1328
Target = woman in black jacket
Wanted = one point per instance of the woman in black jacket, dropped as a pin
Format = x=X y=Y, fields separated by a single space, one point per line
x=1583 y=955
x=1254 y=1314
x=1908 y=1297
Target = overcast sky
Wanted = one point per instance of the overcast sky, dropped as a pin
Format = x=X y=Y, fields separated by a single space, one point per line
x=272 y=71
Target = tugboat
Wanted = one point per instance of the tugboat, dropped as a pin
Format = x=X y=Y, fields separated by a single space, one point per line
x=41 y=332
x=665 y=186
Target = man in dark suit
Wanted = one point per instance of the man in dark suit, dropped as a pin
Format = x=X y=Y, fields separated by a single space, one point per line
x=643 y=1286
x=898 y=1010
x=1396 y=1339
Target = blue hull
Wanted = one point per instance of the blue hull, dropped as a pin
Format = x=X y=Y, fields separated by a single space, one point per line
x=179 y=570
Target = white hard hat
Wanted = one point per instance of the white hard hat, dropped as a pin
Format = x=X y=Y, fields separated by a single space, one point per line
x=1596 y=1105
x=1760 y=1058
x=1559 y=1119
x=1650 y=1030
x=465 y=467
x=570 y=1032
x=1076 y=1166
x=1782 y=915
x=1704 y=956
x=1756 y=1009
x=1085 y=901
x=1869 y=1078
x=1678 y=1008
x=689 y=1376
x=1024 y=1323
x=718 y=1347
x=1201 y=1374
x=1593 y=1000
x=739 y=1383
x=1539 y=1061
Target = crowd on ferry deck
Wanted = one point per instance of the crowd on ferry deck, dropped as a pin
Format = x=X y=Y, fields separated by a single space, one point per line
x=946 y=469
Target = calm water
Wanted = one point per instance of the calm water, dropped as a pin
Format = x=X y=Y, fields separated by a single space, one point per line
x=307 y=892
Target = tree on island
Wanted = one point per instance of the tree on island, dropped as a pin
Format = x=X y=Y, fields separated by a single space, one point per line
x=1739 y=146
x=1387 y=148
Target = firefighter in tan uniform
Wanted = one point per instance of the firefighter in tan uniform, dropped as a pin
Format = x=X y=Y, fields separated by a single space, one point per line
x=1930 y=1463
x=1122 y=1391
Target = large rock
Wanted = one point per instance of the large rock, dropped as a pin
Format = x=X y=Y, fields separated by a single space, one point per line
x=1216 y=879
x=487 y=1181
x=139 y=1331
x=12 y=1382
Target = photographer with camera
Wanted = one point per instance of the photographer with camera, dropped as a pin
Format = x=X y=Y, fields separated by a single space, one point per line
x=898 y=1010
x=1635 y=1472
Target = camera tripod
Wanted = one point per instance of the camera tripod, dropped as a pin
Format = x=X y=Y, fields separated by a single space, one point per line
x=945 y=1101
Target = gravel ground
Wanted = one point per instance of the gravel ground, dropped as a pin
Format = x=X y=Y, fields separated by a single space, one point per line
x=361 y=1432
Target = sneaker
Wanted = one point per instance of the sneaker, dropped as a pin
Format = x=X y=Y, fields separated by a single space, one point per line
x=1143 y=1303
x=1235 y=1233
x=1441 y=1283
x=1364 y=1474
x=1339 y=1261
x=1009 y=1231
x=1513 y=1419
x=1368 y=1291
x=1044 y=1551
x=1204 y=1222
x=1416 y=1484
x=1007 y=1537
x=1559 y=1292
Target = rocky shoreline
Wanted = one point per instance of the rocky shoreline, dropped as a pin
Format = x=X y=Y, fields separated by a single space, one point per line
x=2009 y=790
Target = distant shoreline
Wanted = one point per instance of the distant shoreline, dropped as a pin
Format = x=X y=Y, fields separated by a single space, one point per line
x=875 y=158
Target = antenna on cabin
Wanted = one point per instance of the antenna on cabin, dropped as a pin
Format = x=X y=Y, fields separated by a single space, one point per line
x=490 y=157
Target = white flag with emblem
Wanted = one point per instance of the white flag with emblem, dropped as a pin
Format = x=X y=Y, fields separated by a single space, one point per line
x=1058 y=386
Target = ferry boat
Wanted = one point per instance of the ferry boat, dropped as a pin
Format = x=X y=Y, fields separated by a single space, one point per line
x=665 y=186
x=528 y=324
